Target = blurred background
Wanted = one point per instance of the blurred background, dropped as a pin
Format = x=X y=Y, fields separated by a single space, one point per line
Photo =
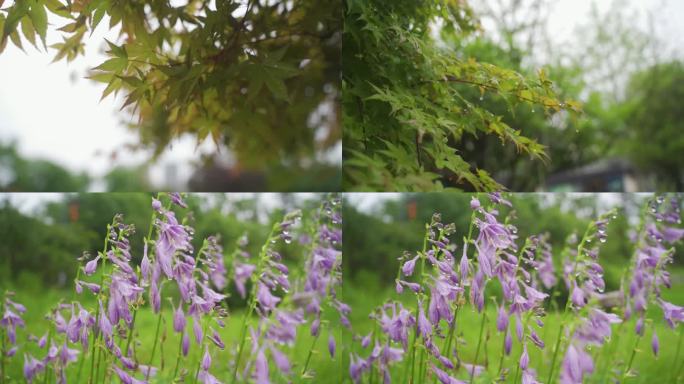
x=45 y=233
x=56 y=134
x=621 y=58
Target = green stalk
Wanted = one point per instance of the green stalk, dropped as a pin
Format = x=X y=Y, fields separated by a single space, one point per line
x=199 y=359
x=555 y=353
x=679 y=348
x=2 y=358
x=479 y=341
x=611 y=351
x=252 y=301
x=154 y=346
x=631 y=359
x=180 y=352
x=503 y=353
x=308 y=356
x=47 y=367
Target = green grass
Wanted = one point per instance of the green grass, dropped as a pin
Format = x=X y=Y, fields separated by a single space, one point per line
x=366 y=294
x=39 y=302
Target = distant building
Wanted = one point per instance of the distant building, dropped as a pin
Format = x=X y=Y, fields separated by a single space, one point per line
x=607 y=175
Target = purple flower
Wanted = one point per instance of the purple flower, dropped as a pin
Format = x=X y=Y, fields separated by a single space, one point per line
x=156 y=204
x=145 y=264
x=206 y=359
x=673 y=314
x=524 y=358
x=266 y=300
x=463 y=268
x=216 y=339
x=31 y=367
x=186 y=344
x=577 y=297
x=281 y=361
x=125 y=377
x=576 y=364
x=424 y=326
x=367 y=339
x=528 y=377
x=172 y=237
x=331 y=345
x=444 y=377
x=91 y=266
x=242 y=274
x=508 y=342
x=655 y=344
x=502 y=319
x=177 y=199
x=179 y=319
x=474 y=203
x=261 y=368
x=409 y=266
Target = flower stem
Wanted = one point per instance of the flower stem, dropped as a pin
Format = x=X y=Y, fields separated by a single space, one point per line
x=180 y=352
x=308 y=356
x=47 y=366
x=2 y=357
x=154 y=346
x=503 y=353
x=631 y=359
x=252 y=301
x=555 y=353
x=479 y=342
x=676 y=359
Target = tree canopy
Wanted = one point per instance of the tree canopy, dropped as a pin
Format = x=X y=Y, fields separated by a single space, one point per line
x=251 y=75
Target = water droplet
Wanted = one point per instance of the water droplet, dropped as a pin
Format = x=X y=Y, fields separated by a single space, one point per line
x=532 y=110
x=288 y=240
x=481 y=98
x=660 y=199
x=602 y=239
x=588 y=240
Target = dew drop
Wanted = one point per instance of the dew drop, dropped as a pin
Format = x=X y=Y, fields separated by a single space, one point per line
x=481 y=98
x=602 y=239
x=288 y=240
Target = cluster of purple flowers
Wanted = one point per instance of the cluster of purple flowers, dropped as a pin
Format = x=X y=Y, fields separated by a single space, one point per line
x=583 y=277
x=11 y=319
x=104 y=334
x=655 y=249
x=442 y=290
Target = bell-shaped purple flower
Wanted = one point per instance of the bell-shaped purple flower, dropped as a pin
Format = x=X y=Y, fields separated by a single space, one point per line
x=408 y=267
x=179 y=319
x=331 y=345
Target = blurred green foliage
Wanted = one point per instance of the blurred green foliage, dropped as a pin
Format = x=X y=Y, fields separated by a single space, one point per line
x=21 y=174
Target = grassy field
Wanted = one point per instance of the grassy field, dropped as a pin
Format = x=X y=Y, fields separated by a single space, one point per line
x=366 y=294
x=39 y=302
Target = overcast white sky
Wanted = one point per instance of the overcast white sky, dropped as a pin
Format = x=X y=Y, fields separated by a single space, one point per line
x=54 y=113
x=32 y=203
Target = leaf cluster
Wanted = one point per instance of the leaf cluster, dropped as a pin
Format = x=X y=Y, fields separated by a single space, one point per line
x=249 y=75
x=404 y=98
